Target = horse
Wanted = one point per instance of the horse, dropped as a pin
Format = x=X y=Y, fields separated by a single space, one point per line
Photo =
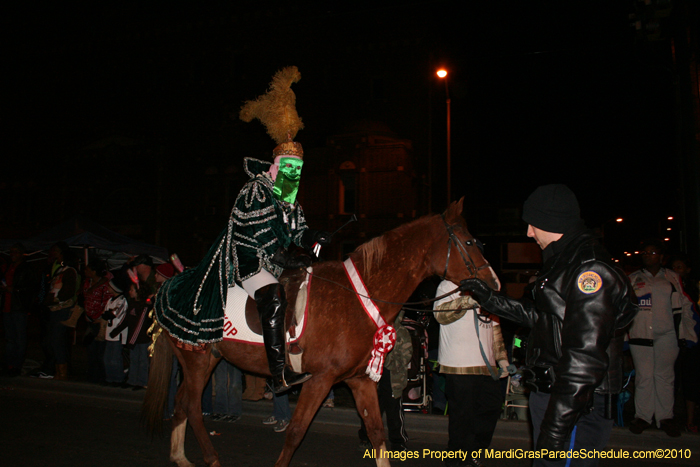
x=338 y=337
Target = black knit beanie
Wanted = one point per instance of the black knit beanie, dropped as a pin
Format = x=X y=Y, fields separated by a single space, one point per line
x=553 y=208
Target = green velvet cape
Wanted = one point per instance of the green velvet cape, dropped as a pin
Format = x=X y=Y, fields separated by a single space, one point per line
x=190 y=306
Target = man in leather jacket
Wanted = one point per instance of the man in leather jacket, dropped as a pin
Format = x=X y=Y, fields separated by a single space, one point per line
x=575 y=309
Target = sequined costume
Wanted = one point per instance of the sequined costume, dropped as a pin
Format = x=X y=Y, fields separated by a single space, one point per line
x=191 y=305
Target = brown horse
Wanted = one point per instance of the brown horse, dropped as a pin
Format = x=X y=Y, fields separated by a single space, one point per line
x=339 y=334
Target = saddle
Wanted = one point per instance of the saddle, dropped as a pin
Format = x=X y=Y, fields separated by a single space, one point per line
x=291 y=280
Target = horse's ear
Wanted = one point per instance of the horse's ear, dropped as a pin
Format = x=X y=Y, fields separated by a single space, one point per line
x=455 y=209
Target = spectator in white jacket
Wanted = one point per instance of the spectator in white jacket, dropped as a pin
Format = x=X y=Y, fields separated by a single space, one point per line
x=663 y=312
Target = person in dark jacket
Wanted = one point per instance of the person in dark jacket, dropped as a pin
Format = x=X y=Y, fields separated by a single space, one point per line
x=60 y=299
x=19 y=289
x=576 y=309
x=136 y=323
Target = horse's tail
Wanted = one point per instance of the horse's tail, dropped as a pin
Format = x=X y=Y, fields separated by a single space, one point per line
x=153 y=408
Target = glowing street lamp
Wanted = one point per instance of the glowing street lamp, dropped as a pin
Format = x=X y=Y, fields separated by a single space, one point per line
x=442 y=74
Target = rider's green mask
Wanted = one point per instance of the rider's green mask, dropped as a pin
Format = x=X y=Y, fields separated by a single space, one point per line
x=287 y=181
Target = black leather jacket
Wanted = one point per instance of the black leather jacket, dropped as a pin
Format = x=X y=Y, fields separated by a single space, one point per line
x=576 y=310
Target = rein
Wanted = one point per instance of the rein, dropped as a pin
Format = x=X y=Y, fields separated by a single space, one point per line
x=466 y=258
x=424 y=302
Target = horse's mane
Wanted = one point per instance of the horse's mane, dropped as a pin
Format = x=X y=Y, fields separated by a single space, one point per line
x=372 y=252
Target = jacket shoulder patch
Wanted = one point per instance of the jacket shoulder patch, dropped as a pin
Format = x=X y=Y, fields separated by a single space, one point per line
x=589 y=282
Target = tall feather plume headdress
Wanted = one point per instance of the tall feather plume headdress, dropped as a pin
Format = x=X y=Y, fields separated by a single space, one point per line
x=276 y=109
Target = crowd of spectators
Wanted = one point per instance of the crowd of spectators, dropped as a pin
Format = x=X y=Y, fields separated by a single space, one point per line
x=105 y=312
x=104 y=309
x=108 y=309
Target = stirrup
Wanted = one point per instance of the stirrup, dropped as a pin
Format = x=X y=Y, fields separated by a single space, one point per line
x=287 y=379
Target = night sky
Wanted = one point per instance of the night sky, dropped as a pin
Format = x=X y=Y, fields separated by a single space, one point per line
x=541 y=92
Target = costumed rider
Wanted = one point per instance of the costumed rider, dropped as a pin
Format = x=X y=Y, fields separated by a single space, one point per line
x=253 y=250
x=576 y=310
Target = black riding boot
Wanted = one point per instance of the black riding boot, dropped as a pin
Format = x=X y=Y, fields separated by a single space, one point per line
x=272 y=305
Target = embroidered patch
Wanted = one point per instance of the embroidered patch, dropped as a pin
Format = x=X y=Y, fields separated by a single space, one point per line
x=589 y=282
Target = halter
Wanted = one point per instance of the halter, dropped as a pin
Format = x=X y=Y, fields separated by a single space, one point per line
x=462 y=248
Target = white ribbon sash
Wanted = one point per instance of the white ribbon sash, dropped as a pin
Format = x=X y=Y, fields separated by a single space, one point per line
x=385 y=337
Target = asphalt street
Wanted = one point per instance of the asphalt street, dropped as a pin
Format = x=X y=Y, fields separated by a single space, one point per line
x=57 y=423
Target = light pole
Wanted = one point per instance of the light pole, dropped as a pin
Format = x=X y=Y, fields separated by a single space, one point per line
x=442 y=73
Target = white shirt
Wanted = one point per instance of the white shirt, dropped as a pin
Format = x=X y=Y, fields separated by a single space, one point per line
x=660 y=297
x=459 y=347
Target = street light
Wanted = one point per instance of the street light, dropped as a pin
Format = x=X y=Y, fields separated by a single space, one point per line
x=442 y=74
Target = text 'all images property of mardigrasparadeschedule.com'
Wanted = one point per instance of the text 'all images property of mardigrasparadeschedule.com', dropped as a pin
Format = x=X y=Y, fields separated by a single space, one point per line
x=533 y=454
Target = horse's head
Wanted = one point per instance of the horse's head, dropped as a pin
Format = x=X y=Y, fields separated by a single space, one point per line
x=462 y=257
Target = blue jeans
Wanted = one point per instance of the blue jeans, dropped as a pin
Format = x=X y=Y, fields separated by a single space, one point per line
x=15 y=338
x=138 y=365
x=280 y=407
x=228 y=384
x=592 y=430
x=59 y=335
x=114 y=362
x=96 y=355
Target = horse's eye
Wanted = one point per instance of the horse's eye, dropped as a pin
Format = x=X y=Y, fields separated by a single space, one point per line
x=469 y=243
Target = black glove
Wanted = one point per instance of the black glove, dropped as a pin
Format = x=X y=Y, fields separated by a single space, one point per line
x=478 y=289
x=285 y=260
x=309 y=237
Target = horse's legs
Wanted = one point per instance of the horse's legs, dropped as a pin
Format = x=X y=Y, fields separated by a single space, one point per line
x=197 y=369
x=364 y=390
x=179 y=424
x=177 y=444
x=313 y=393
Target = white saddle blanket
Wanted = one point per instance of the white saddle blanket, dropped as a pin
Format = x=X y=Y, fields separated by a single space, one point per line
x=235 y=326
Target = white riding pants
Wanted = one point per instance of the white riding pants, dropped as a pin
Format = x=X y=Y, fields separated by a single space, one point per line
x=258 y=281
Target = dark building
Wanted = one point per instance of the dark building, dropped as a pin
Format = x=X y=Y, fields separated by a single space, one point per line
x=366 y=171
x=540 y=93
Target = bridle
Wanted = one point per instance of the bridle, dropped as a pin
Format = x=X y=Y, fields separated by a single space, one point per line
x=462 y=249
x=464 y=254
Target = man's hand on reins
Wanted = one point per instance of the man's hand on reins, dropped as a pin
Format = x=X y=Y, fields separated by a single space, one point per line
x=313 y=240
x=477 y=288
x=310 y=237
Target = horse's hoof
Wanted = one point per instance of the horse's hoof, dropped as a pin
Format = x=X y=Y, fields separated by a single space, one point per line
x=183 y=462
